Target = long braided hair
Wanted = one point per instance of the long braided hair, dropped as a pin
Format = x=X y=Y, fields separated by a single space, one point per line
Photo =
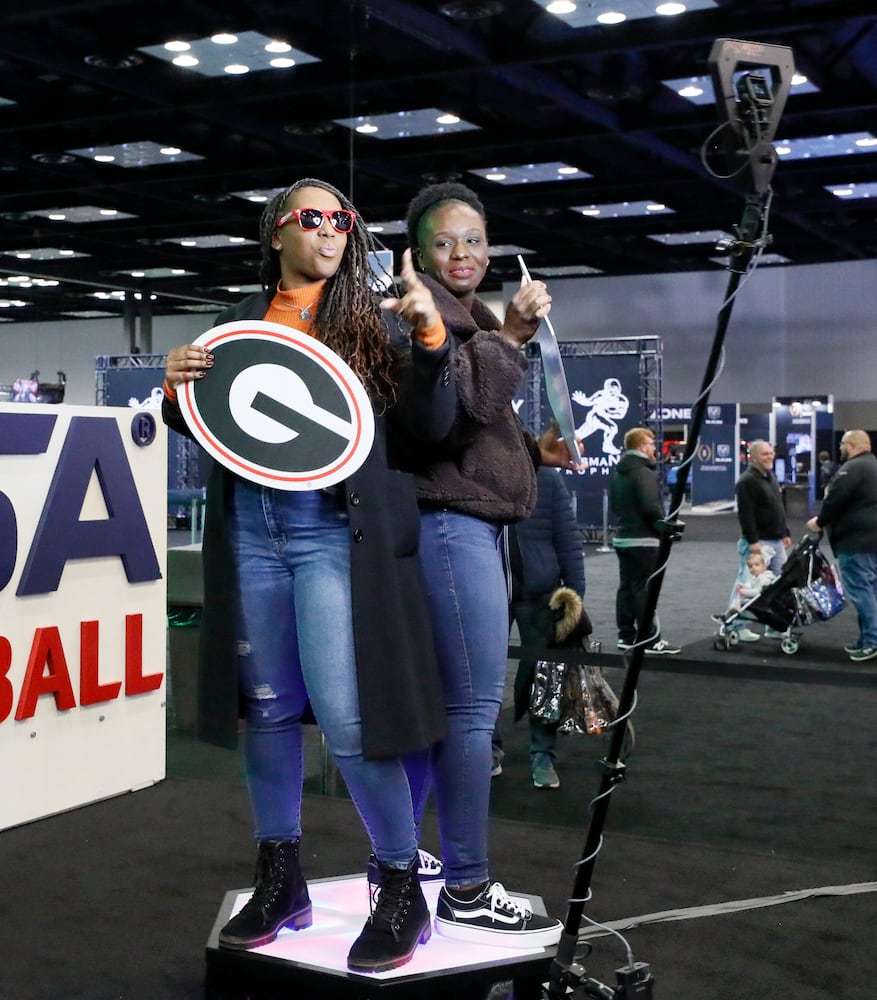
x=348 y=319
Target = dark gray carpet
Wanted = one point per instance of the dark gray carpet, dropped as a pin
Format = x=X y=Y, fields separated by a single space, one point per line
x=752 y=776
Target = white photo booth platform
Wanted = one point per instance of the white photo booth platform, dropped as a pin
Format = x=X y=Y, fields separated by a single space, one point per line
x=313 y=962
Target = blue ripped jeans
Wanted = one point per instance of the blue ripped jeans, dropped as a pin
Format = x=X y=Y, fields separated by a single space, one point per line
x=468 y=601
x=295 y=644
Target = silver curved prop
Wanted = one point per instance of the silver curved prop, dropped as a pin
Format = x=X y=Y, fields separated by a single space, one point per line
x=555 y=377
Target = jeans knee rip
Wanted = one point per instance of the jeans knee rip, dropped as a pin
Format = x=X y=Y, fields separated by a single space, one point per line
x=263 y=692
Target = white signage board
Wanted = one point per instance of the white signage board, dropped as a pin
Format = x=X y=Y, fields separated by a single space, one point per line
x=83 y=546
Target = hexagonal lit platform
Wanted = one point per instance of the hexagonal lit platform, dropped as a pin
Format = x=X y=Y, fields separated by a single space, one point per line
x=312 y=963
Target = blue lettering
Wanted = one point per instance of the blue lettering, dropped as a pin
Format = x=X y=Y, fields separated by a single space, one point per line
x=8 y=540
x=92 y=446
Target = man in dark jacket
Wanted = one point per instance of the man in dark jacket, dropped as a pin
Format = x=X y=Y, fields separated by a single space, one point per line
x=635 y=499
x=849 y=512
x=762 y=520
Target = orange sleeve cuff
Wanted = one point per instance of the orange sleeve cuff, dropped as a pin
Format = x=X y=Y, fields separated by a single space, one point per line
x=432 y=337
x=169 y=393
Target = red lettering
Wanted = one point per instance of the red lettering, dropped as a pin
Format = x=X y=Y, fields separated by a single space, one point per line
x=46 y=651
x=91 y=691
x=135 y=680
x=6 y=692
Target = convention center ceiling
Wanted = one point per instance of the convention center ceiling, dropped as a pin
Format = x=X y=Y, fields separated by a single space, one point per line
x=138 y=138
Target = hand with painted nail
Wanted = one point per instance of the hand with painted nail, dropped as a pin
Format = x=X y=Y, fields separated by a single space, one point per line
x=185 y=364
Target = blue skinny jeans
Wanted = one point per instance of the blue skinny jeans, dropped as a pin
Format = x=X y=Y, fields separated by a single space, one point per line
x=468 y=600
x=295 y=644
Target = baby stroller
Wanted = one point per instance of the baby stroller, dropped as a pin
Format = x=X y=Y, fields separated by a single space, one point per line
x=808 y=589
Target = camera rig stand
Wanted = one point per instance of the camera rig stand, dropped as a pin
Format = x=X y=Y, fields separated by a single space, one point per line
x=750 y=105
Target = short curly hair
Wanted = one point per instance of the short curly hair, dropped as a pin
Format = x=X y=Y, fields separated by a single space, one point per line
x=437 y=194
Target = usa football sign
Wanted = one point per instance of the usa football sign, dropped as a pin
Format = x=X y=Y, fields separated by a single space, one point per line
x=83 y=517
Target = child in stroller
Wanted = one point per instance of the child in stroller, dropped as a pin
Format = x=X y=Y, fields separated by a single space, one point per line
x=808 y=588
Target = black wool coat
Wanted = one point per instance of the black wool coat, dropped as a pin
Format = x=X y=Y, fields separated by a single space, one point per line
x=400 y=695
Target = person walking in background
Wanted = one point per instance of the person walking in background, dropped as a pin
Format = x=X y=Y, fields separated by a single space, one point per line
x=292 y=617
x=545 y=552
x=849 y=514
x=825 y=470
x=479 y=479
x=635 y=500
x=762 y=518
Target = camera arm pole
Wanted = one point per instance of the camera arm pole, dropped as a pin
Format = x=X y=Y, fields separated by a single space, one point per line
x=754 y=131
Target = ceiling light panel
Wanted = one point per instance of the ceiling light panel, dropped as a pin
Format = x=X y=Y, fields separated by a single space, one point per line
x=587 y=13
x=258 y=196
x=819 y=146
x=158 y=272
x=406 y=124
x=699 y=89
x=44 y=253
x=211 y=242
x=850 y=192
x=697 y=236
x=622 y=209
x=532 y=173
x=389 y=227
x=230 y=55
x=79 y=214
x=135 y=154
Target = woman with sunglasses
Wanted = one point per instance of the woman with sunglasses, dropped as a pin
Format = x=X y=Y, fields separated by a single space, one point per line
x=313 y=600
x=482 y=477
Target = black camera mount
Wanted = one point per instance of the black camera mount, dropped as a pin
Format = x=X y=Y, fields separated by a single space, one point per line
x=750 y=107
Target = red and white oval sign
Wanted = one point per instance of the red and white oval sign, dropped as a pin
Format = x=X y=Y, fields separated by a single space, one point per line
x=278 y=407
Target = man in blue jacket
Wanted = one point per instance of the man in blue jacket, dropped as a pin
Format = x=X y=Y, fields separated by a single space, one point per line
x=849 y=512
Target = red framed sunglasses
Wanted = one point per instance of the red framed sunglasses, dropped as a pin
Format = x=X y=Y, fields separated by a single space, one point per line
x=312 y=218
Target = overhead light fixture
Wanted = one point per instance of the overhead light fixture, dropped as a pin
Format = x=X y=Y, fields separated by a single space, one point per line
x=210 y=242
x=405 y=124
x=143 y=153
x=821 y=146
x=699 y=89
x=853 y=191
x=532 y=173
x=609 y=12
x=230 y=54
x=622 y=209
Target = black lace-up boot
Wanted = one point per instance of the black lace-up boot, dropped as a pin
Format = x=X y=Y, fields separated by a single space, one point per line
x=280 y=898
x=399 y=921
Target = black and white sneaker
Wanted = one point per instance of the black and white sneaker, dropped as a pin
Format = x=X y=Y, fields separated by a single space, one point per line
x=429 y=868
x=494 y=917
x=662 y=648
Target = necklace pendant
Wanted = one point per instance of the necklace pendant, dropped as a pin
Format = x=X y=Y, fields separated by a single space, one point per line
x=305 y=314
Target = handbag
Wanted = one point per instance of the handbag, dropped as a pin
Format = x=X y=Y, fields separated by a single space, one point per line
x=576 y=697
x=824 y=599
x=824 y=595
